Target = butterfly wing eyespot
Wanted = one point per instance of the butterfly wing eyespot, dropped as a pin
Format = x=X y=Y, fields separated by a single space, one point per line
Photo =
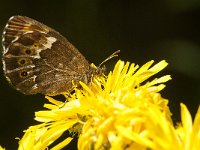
x=28 y=51
x=23 y=61
x=23 y=74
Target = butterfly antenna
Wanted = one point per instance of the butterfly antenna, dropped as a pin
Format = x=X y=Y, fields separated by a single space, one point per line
x=115 y=54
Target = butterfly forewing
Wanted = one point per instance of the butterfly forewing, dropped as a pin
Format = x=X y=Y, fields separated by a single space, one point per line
x=37 y=59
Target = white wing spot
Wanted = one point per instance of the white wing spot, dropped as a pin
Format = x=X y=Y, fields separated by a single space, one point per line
x=34 y=77
x=48 y=44
x=34 y=87
x=50 y=41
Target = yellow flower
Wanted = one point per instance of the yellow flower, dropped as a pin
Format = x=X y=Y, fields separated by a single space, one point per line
x=1 y=148
x=189 y=132
x=165 y=136
x=118 y=111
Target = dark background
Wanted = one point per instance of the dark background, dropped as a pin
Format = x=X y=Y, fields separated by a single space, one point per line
x=143 y=30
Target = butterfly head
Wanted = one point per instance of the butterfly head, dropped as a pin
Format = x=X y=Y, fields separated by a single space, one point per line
x=100 y=70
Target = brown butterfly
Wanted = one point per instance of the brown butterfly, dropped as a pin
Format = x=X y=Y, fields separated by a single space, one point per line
x=37 y=59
